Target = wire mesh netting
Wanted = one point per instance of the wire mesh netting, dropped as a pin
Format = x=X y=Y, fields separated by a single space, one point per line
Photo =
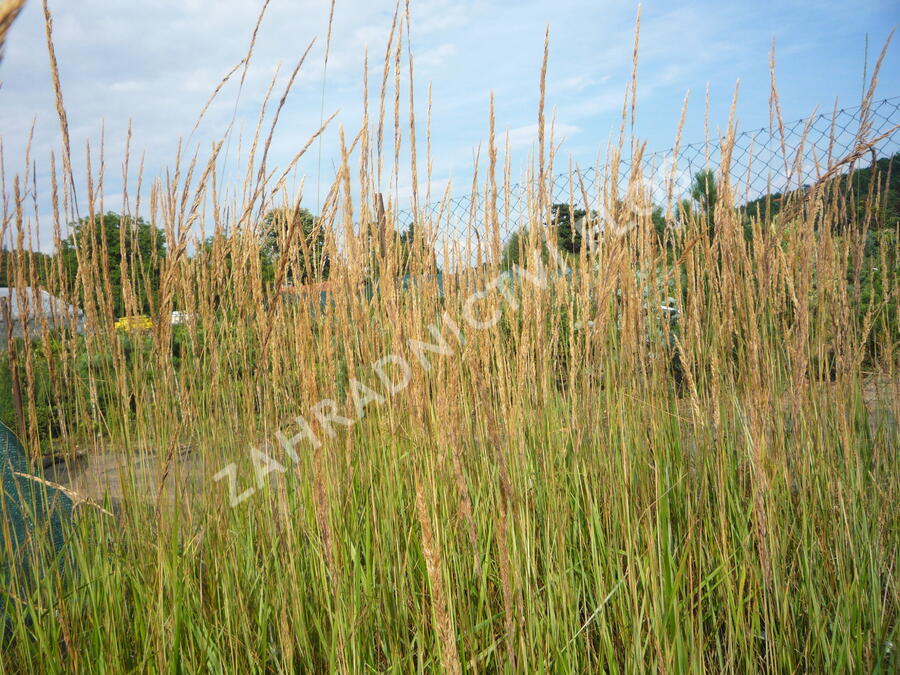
x=771 y=160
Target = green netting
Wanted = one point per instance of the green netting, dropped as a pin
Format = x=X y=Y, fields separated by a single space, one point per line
x=33 y=520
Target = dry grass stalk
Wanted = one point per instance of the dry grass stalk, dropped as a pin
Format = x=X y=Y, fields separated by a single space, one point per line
x=619 y=496
x=9 y=10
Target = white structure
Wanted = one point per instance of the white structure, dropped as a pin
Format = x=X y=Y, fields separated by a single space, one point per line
x=179 y=318
x=27 y=309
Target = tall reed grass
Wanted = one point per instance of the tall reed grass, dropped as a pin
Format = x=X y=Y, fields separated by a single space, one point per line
x=549 y=493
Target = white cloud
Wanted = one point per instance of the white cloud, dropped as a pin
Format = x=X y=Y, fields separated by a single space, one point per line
x=527 y=135
x=441 y=16
x=432 y=59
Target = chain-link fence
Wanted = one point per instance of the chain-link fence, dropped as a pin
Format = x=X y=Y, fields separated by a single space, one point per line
x=763 y=161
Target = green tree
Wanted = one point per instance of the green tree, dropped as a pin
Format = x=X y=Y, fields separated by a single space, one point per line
x=659 y=224
x=412 y=251
x=566 y=220
x=34 y=266
x=408 y=242
x=880 y=179
x=512 y=249
x=705 y=193
x=310 y=259
x=120 y=240
x=230 y=253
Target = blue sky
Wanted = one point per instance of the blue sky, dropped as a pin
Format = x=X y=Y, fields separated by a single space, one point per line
x=156 y=62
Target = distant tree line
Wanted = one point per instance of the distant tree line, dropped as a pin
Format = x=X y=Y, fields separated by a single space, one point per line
x=855 y=189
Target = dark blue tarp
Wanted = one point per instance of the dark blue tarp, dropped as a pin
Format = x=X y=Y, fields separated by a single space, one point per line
x=34 y=520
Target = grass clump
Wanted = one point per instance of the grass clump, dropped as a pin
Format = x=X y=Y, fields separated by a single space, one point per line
x=475 y=476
